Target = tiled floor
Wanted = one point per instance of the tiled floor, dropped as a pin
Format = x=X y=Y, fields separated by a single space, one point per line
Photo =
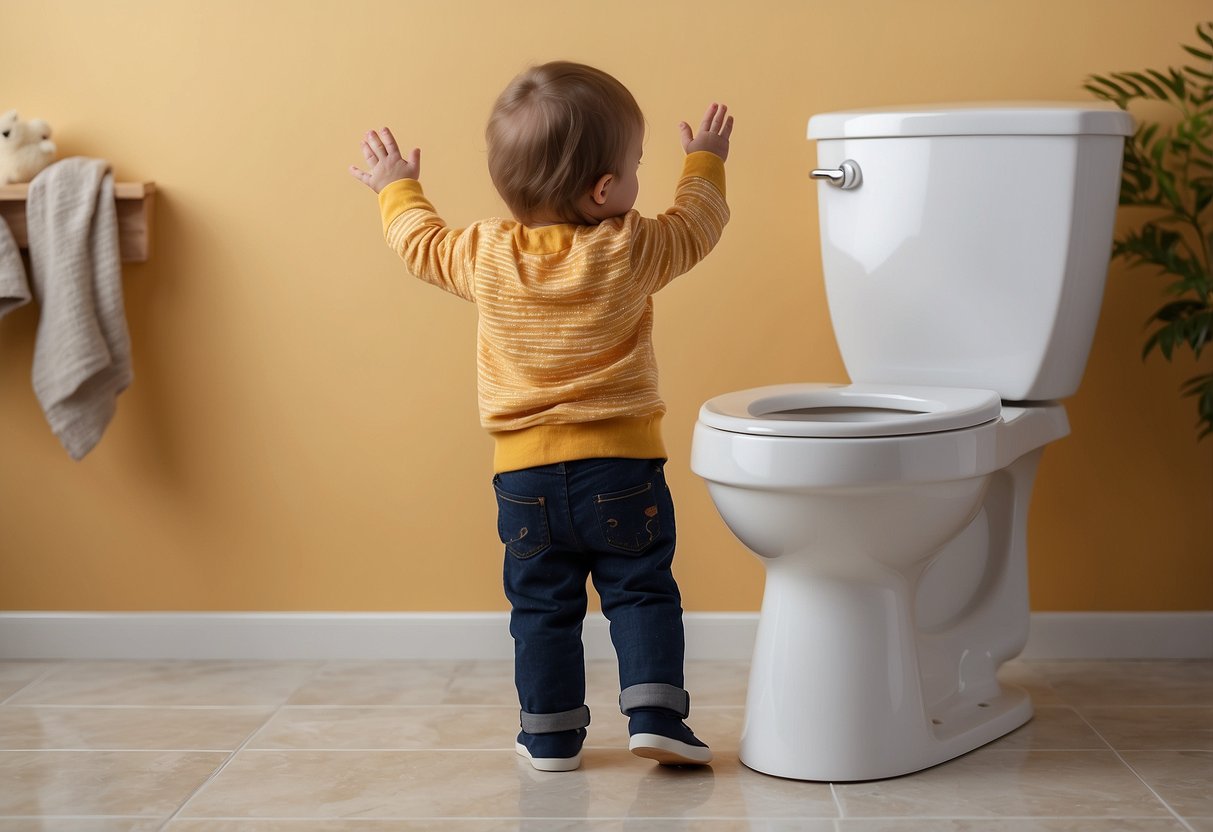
x=428 y=747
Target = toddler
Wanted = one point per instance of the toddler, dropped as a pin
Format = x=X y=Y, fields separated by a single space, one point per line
x=567 y=384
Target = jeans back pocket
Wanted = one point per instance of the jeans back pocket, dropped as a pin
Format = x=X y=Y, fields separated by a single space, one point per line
x=522 y=524
x=630 y=519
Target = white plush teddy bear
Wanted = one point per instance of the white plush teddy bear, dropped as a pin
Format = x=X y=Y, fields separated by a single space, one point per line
x=25 y=148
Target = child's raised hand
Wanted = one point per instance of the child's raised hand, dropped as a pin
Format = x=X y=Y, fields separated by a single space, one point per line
x=387 y=166
x=714 y=132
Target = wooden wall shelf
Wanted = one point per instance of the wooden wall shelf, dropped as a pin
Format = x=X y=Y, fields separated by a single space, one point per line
x=134 y=201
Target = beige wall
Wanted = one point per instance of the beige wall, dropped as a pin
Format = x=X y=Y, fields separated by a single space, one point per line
x=302 y=431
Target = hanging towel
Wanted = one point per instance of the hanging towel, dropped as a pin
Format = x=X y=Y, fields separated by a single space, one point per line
x=82 y=352
x=14 y=290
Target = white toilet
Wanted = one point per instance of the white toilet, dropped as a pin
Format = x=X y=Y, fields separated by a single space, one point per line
x=965 y=249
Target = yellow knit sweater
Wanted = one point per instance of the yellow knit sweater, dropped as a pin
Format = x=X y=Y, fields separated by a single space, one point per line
x=565 y=362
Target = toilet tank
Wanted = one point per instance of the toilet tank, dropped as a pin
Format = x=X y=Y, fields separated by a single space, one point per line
x=974 y=248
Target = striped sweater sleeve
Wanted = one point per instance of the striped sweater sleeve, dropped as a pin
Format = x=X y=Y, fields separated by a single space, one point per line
x=437 y=254
x=673 y=242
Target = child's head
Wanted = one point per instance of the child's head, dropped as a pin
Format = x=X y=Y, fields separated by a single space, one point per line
x=554 y=133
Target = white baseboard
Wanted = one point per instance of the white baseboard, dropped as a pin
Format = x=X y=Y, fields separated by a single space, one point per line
x=320 y=635
x=472 y=635
x=1120 y=635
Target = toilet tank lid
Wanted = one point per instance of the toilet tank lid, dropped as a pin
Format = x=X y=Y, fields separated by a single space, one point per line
x=1028 y=118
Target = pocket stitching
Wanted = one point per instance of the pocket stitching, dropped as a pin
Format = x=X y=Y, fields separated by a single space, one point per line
x=540 y=502
x=615 y=496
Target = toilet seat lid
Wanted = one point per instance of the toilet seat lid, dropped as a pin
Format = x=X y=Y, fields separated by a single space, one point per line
x=849 y=410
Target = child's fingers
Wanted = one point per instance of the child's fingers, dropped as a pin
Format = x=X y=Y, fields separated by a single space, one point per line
x=369 y=154
x=361 y=175
x=706 y=124
x=728 y=128
x=684 y=130
x=389 y=142
x=376 y=144
x=718 y=118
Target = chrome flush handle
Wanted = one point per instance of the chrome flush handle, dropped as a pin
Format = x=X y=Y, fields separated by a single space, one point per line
x=847 y=176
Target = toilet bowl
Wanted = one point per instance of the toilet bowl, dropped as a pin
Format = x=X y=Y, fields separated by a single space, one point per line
x=890 y=513
x=869 y=662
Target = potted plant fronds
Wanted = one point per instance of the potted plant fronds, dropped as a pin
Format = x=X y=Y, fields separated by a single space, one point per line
x=1168 y=166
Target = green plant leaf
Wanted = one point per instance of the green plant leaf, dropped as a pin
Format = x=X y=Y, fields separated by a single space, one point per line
x=1178 y=310
x=1165 y=80
x=1134 y=89
x=1206 y=36
x=1154 y=88
x=1204 y=198
x=1155 y=245
x=1201 y=388
x=1184 y=325
x=1101 y=94
x=1164 y=339
x=1200 y=327
x=1171 y=168
x=1179 y=84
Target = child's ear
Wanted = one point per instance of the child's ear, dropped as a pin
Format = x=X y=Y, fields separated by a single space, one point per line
x=602 y=188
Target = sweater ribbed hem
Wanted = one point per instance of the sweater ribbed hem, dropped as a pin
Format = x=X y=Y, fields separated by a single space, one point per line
x=706 y=165
x=625 y=437
x=398 y=197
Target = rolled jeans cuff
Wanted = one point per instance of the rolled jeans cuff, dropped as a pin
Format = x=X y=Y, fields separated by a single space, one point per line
x=551 y=723
x=655 y=695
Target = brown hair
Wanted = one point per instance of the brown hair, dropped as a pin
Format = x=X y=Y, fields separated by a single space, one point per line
x=553 y=132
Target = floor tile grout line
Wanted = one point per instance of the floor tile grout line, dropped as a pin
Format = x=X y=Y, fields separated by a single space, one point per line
x=32 y=682
x=1003 y=818
x=607 y=818
x=1184 y=823
x=58 y=706
x=214 y=774
x=1135 y=773
x=312 y=750
x=589 y=818
x=120 y=750
x=1088 y=707
x=210 y=777
x=400 y=749
x=837 y=802
x=612 y=711
x=53 y=816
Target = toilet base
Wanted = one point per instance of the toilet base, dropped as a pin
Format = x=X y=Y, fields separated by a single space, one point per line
x=952 y=730
x=844 y=687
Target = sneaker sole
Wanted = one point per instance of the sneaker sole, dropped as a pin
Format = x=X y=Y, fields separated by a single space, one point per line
x=668 y=752
x=549 y=763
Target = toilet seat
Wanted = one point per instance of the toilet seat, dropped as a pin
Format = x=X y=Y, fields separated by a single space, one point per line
x=850 y=410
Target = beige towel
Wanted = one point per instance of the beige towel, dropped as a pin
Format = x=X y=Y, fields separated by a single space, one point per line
x=82 y=353
x=14 y=290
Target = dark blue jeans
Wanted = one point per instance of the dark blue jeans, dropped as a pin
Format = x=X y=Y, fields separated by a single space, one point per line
x=609 y=519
